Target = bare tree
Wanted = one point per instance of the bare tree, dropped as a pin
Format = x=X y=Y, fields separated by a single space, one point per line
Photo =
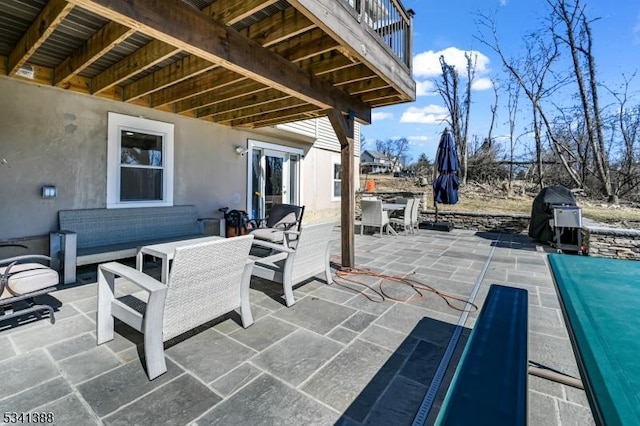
x=576 y=35
x=395 y=149
x=626 y=127
x=532 y=73
x=459 y=108
x=513 y=97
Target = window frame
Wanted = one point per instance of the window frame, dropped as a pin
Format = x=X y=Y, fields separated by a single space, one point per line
x=116 y=124
x=335 y=161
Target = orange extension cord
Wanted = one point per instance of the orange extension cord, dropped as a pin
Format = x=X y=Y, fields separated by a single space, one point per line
x=346 y=275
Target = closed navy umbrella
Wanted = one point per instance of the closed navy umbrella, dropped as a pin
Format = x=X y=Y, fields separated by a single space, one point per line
x=445 y=187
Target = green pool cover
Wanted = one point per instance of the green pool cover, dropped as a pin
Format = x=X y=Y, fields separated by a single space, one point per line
x=601 y=303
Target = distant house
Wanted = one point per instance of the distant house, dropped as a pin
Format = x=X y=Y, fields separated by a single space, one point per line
x=378 y=162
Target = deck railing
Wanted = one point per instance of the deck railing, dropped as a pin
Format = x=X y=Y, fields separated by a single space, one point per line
x=390 y=21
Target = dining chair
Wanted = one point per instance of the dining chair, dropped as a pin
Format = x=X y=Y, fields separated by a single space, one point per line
x=373 y=215
x=404 y=220
x=415 y=209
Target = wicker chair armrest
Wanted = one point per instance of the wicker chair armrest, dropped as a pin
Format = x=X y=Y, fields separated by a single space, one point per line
x=273 y=246
x=138 y=278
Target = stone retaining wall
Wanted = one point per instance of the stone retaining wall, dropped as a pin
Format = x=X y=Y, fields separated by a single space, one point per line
x=490 y=222
x=612 y=242
x=600 y=241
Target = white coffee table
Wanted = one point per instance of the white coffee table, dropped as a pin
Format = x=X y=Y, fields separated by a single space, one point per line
x=166 y=252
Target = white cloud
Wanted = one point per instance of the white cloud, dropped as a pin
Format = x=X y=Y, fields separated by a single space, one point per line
x=504 y=2
x=425 y=88
x=418 y=138
x=482 y=84
x=431 y=114
x=378 y=116
x=427 y=64
x=636 y=32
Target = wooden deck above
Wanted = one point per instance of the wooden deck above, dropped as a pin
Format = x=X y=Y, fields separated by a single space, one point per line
x=249 y=63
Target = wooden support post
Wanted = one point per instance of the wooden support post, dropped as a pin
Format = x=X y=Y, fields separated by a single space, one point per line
x=343 y=126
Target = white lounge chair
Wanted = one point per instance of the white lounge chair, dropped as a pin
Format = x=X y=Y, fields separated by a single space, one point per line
x=206 y=281
x=291 y=266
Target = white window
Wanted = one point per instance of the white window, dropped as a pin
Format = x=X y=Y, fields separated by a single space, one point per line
x=139 y=162
x=336 y=179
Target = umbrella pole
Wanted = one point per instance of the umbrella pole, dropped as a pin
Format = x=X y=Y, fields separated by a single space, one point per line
x=435 y=205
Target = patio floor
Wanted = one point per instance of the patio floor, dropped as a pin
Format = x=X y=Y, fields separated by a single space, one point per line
x=335 y=357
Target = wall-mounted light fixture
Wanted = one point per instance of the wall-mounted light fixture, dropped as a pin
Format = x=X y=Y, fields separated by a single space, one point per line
x=241 y=151
x=49 y=191
x=26 y=71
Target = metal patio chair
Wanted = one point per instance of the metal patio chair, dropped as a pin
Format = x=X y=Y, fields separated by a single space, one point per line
x=22 y=278
x=282 y=217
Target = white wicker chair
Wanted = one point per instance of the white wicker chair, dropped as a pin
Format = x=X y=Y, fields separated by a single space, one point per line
x=373 y=215
x=206 y=280
x=414 y=215
x=291 y=266
x=404 y=221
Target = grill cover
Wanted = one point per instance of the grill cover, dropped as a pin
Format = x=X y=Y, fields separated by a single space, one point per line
x=542 y=210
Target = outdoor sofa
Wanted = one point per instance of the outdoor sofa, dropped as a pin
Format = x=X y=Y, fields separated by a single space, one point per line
x=89 y=236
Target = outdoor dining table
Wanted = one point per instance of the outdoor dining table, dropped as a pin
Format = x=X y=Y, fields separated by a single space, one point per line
x=600 y=300
x=393 y=206
x=166 y=252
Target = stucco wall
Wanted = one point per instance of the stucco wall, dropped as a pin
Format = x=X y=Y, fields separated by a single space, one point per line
x=50 y=136
x=317 y=186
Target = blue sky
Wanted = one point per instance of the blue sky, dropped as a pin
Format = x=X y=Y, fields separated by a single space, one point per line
x=449 y=28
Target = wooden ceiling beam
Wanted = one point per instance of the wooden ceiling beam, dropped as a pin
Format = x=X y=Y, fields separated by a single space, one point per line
x=232 y=11
x=49 y=18
x=284 y=120
x=365 y=86
x=275 y=101
x=178 y=24
x=98 y=44
x=310 y=44
x=361 y=42
x=279 y=27
x=326 y=63
x=142 y=59
x=280 y=116
x=213 y=96
x=44 y=76
x=163 y=79
x=384 y=93
x=344 y=76
x=204 y=83
x=233 y=98
x=180 y=70
x=211 y=102
x=226 y=11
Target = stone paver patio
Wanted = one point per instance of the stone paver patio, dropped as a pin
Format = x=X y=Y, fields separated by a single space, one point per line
x=335 y=357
